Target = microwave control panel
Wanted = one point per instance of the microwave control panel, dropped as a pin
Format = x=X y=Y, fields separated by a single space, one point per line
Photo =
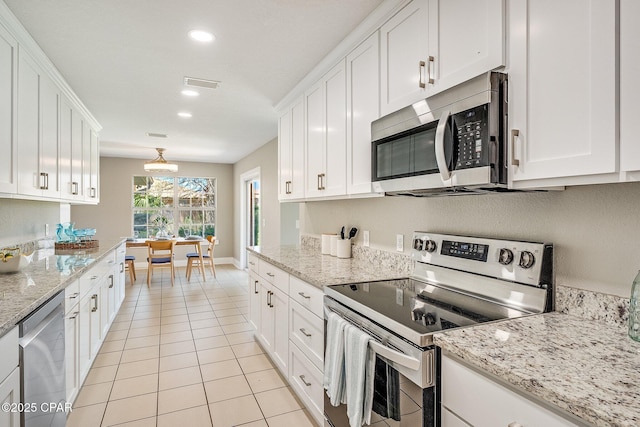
x=472 y=135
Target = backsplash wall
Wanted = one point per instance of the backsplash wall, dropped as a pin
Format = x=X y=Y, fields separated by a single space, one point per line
x=24 y=220
x=595 y=229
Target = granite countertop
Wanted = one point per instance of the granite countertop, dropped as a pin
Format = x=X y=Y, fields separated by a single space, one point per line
x=588 y=368
x=324 y=270
x=47 y=274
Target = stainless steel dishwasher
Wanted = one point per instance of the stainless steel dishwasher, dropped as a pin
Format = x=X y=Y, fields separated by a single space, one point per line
x=42 y=365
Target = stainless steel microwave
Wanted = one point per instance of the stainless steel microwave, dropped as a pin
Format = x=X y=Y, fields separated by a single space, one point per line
x=452 y=143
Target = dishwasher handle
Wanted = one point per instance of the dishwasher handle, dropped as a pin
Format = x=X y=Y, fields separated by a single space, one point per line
x=39 y=314
x=55 y=316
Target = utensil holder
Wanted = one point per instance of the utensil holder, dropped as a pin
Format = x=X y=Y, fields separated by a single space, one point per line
x=343 y=249
x=326 y=244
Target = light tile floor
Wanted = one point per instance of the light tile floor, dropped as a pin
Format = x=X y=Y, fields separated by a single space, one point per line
x=185 y=356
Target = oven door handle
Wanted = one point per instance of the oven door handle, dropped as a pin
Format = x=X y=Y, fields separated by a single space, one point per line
x=441 y=159
x=395 y=356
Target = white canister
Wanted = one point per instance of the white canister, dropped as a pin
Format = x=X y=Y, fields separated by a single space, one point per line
x=334 y=245
x=326 y=244
x=344 y=248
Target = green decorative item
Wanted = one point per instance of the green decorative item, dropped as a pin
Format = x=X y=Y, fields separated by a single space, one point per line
x=162 y=222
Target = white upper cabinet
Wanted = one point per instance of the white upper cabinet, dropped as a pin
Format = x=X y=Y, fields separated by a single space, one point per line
x=629 y=85
x=325 y=124
x=562 y=90
x=432 y=45
x=94 y=168
x=404 y=60
x=291 y=152
x=8 y=146
x=363 y=107
x=29 y=180
x=49 y=107
x=466 y=39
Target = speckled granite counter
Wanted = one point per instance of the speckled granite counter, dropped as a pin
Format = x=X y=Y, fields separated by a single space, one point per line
x=320 y=270
x=587 y=368
x=48 y=273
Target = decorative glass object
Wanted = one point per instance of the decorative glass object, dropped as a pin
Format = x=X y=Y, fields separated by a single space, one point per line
x=634 y=309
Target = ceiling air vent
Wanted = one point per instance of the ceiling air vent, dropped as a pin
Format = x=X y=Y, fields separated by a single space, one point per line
x=209 y=84
x=157 y=135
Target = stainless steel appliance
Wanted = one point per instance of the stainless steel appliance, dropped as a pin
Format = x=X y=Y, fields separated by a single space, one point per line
x=452 y=143
x=457 y=282
x=42 y=365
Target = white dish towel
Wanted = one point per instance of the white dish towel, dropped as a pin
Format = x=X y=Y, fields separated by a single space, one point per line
x=334 y=375
x=359 y=361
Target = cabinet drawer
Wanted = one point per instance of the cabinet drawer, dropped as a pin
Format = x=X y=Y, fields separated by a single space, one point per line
x=307 y=332
x=274 y=275
x=93 y=277
x=252 y=261
x=307 y=295
x=306 y=381
x=71 y=296
x=8 y=353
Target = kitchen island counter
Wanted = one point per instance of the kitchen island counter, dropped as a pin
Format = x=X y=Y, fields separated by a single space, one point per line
x=48 y=273
x=587 y=368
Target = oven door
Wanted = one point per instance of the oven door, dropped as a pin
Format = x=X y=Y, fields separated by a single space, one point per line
x=417 y=379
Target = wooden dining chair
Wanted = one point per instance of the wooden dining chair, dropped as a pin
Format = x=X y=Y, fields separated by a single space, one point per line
x=129 y=263
x=160 y=256
x=193 y=258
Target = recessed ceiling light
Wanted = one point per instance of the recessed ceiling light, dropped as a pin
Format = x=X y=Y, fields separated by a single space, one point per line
x=184 y=114
x=188 y=92
x=201 y=36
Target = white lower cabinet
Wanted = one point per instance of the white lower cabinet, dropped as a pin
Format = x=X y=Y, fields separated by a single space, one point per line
x=472 y=399
x=9 y=378
x=286 y=314
x=72 y=339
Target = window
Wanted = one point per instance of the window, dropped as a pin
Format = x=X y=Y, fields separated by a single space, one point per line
x=186 y=205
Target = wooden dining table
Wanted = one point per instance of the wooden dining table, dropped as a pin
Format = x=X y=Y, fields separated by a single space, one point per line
x=180 y=241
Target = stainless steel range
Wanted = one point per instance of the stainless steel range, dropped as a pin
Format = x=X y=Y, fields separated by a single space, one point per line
x=457 y=282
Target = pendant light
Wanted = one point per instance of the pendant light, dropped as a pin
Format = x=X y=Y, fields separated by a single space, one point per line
x=159 y=164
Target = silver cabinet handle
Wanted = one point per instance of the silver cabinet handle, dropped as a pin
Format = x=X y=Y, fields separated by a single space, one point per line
x=515 y=133
x=252 y=263
x=302 y=378
x=74 y=316
x=94 y=297
x=44 y=181
x=93 y=192
x=421 y=68
x=303 y=295
x=305 y=333
x=269 y=293
x=430 y=78
x=94 y=277
x=74 y=188
x=287 y=187
x=319 y=181
x=74 y=295
x=122 y=267
x=271 y=275
x=255 y=287
x=111 y=278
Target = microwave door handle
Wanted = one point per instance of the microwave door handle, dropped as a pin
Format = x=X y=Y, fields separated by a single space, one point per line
x=441 y=160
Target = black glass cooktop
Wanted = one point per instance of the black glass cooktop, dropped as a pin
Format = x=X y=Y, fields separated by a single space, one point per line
x=419 y=306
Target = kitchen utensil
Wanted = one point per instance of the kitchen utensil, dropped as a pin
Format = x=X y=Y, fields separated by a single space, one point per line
x=353 y=232
x=342 y=233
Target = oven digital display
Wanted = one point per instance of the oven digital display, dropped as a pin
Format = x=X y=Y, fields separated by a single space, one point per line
x=472 y=251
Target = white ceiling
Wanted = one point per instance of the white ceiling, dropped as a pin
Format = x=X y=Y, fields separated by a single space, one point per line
x=126 y=60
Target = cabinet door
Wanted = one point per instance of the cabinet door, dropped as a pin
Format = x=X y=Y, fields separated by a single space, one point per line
x=629 y=84
x=49 y=99
x=72 y=334
x=28 y=126
x=267 y=317
x=8 y=146
x=562 y=93
x=84 y=335
x=315 y=141
x=77 y=156
x=335 y=112
x=297 y=150
x=65 y=150
x=284 y=155
x=10 y=394
x=94 y=168
x=254 y=301
x=86 y=160
x=363 y=107
x=404 y=60
x=280 y=350
x=464 y=45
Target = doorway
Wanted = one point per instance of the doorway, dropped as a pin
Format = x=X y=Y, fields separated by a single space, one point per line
x=250 y=220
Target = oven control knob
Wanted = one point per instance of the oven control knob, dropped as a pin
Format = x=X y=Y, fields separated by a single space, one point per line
x=506 y=256
x=527 y=259
x=430 y=245
x=417 y=244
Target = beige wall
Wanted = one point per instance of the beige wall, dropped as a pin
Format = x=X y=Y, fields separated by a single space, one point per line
x=24 y=220
x=595 y=229
x=266 y=158
x=112 y=217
